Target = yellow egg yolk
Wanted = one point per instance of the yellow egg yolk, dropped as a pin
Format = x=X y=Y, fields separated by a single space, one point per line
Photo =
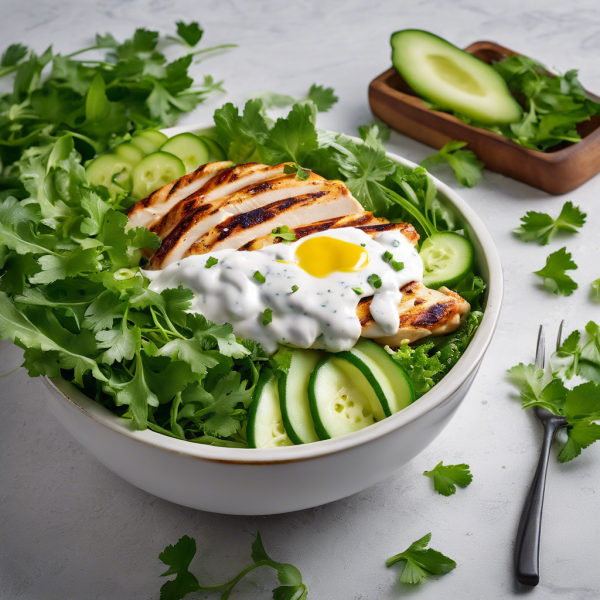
x=321 y=256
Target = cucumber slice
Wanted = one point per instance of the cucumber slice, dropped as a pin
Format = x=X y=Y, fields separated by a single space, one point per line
x=265 y=427
x=216 y=153
x=340 y=398
x=154 y=171
x=129 y=152
x=447 y=258
x=293 y=396
x=451 y=78
x=391 y=383
x=149 y=140
x=192 y=151
x=112 y=171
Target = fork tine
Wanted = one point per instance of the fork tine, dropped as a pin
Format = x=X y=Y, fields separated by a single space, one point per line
x=540 y=354
x=559 y=337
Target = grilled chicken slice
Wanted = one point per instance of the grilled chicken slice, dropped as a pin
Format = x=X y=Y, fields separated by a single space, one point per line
x=364 y=221
x=207 y=216
x=422 y=312
x=237 y=230
x=226 y=182
x=151 y=209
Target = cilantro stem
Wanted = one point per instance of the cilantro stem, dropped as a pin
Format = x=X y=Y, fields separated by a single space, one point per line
x=231 y=584
x=82 y=51
x=157 y=323
x=410 y=208
x=219 y=47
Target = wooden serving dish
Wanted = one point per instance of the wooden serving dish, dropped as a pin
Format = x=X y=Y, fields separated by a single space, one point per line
x=557 y=171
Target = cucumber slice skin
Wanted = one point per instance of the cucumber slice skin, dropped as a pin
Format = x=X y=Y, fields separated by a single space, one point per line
x=112 y=171
x=460 y=259
x=452 y=78
x=148 y=140
x=265 y=406
x=320 y=398
x=293 y=396
x=188 y=147
x=390 y=381
x=167 y=167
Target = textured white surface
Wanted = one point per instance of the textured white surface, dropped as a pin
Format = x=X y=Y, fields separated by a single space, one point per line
x=71 y=529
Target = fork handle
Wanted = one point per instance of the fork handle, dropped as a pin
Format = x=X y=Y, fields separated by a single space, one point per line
x=527 y=543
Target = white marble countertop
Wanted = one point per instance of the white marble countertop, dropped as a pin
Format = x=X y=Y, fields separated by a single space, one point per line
x=71 y=529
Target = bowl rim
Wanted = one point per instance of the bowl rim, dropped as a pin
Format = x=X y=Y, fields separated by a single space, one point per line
x=437 y=396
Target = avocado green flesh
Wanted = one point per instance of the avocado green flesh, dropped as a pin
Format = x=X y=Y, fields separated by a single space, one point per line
x=452 y=78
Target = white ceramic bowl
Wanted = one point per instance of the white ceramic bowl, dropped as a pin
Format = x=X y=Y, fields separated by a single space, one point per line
x=277 y=480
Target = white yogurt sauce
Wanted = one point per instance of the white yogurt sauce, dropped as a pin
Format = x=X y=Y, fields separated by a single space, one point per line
x=320 y=314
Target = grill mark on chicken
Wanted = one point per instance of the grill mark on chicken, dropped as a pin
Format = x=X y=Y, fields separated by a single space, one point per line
x=427 y=318
x=172 y=239
x=260 y=215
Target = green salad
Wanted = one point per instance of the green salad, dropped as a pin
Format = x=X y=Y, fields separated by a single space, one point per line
x=74 y=296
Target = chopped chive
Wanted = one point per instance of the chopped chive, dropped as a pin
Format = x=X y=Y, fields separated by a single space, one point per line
x=302 y=174
x=295 y=288
x=358 y=291
x=259 y=276
x=284 y=233
x=211 y=262
x=289 y=169
x=363 y=245
x=388 y=257
x=267 y=316
x=374 y=280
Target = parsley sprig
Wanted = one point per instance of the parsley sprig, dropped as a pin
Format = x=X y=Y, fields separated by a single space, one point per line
x=555 y=275
x=465 y=164
x=179 y=556
x=536 y=226
x=420 y=562
x=579 y=355
x=99 y=102
x=447 y=477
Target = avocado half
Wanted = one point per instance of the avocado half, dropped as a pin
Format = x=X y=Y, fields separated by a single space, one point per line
x=453 y=79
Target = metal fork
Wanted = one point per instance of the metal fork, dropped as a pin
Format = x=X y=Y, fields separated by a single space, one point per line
x=527 y=544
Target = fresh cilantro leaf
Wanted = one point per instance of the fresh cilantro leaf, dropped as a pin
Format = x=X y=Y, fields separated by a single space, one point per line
x=447 y=477
x=541 y=226
x=554 y=273
x=47 y=336
x=323 y=98
x=190 y=33
x=364 y=167
x=465 y=164
x=267 y=316
x=420 y=366
x=581 y=435
x=241 y=135
x=218 y=417
x=120 y=343
x=212 y=335
x=178 y=559
x=420 y=562
x=136 y=393
x=191 y=351
x=374 y=133
x=292 y=138
x=13 y=55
